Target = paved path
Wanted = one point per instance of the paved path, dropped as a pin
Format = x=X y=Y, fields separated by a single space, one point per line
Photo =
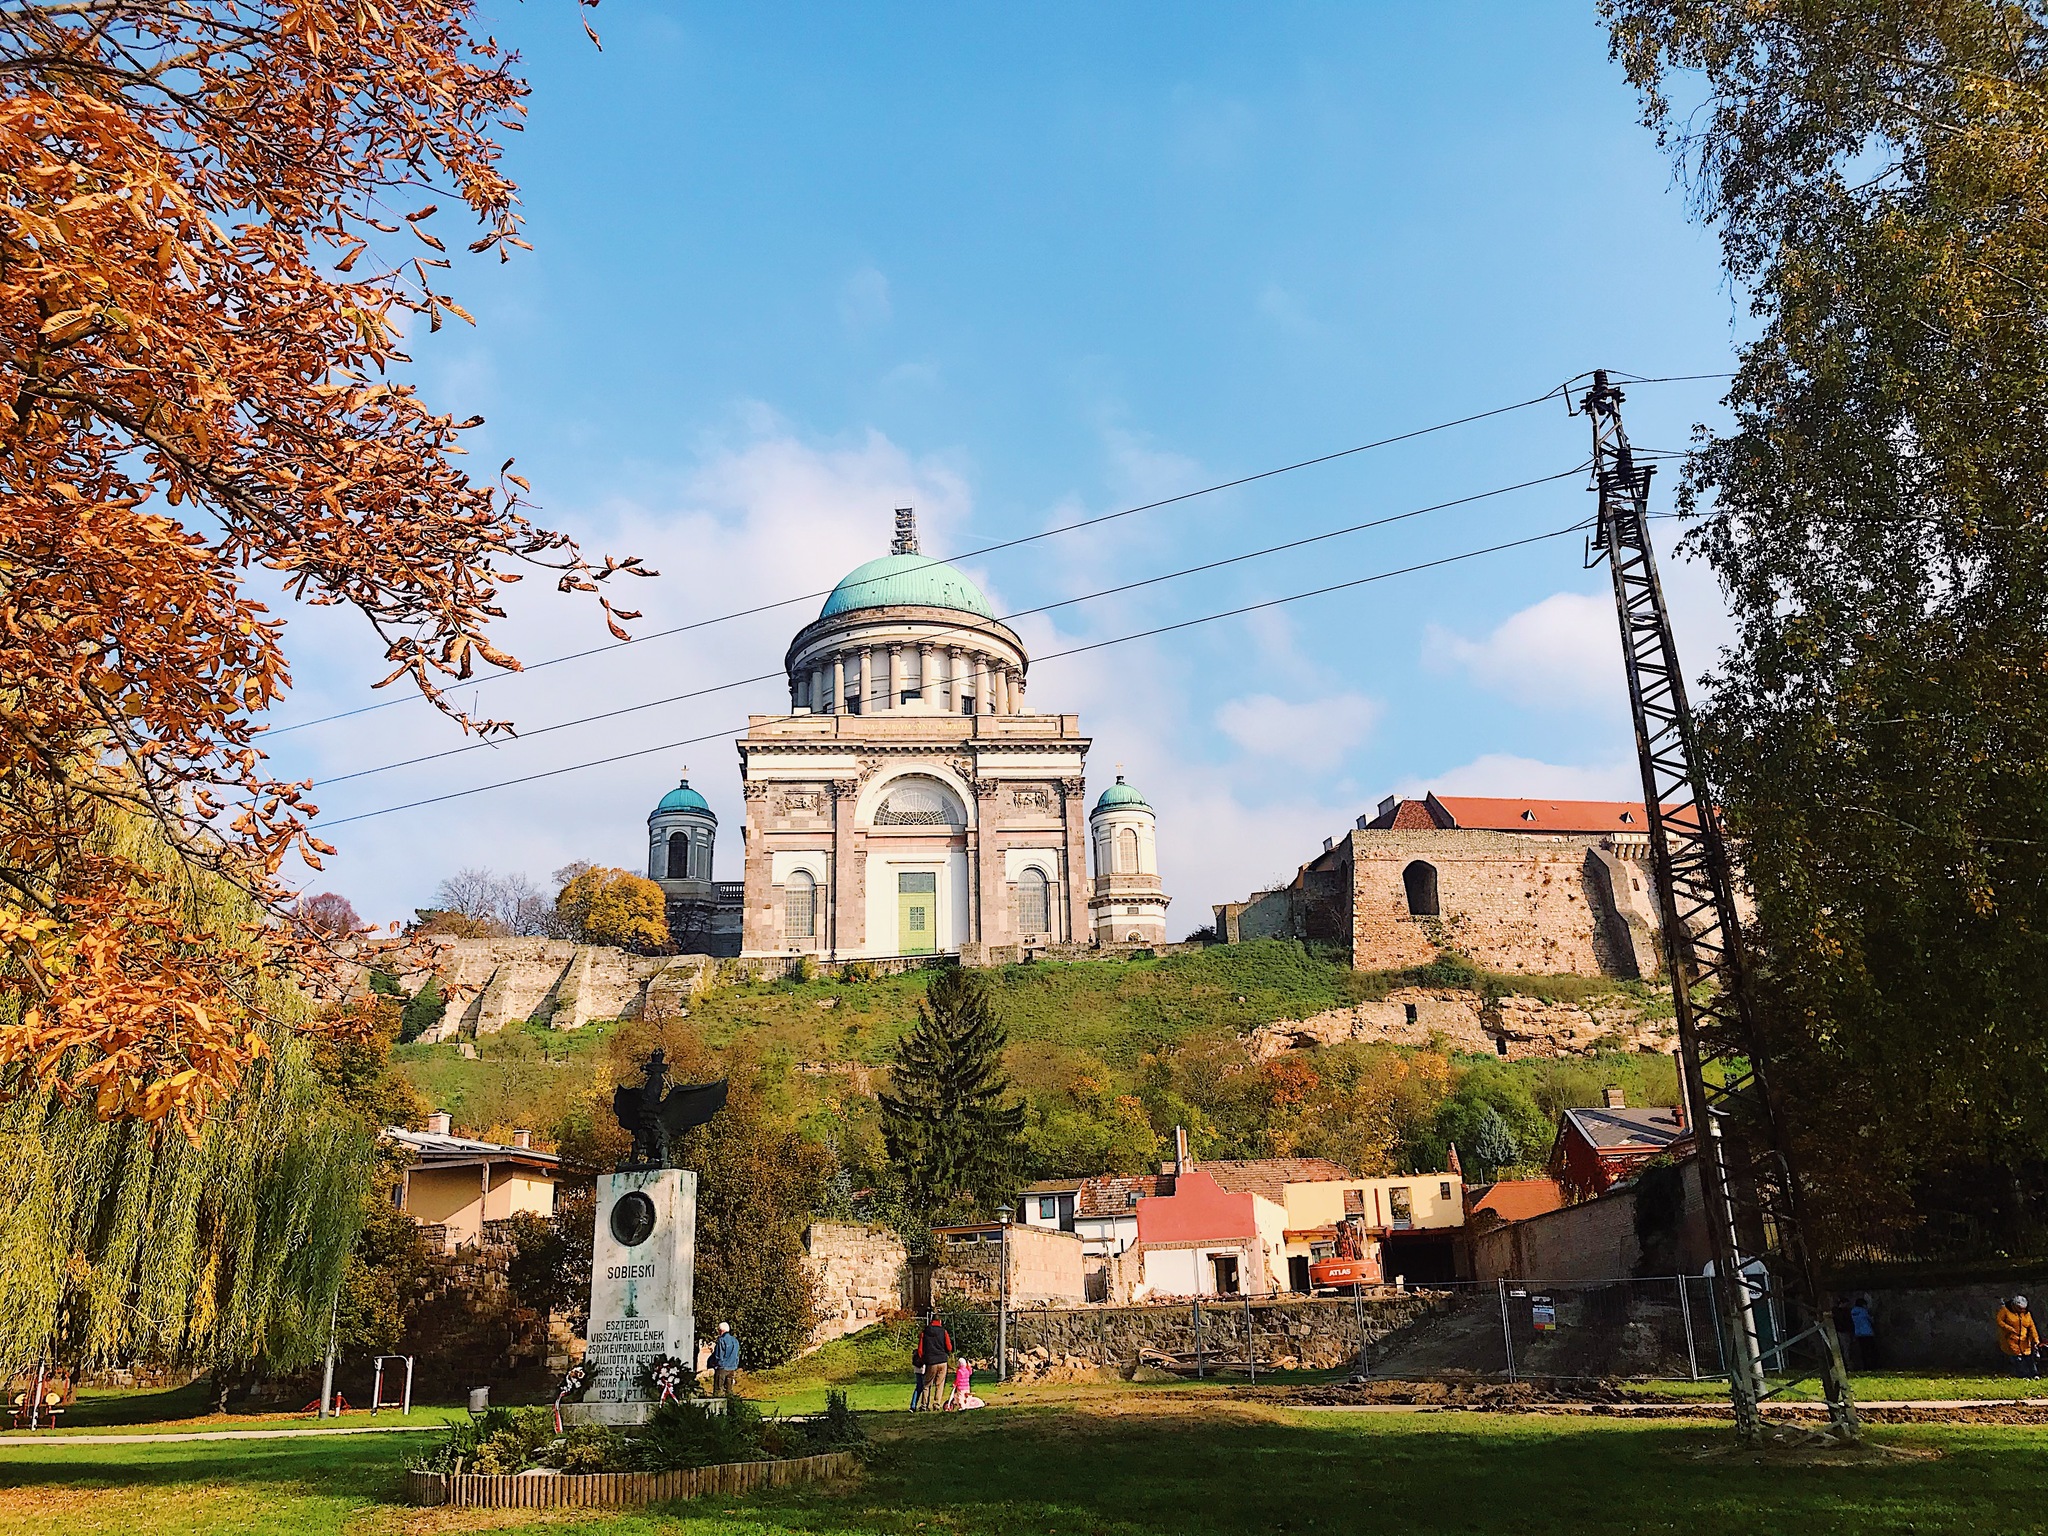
x=216 y=1434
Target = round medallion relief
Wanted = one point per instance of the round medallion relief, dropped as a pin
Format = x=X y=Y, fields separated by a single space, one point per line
x=633 y=1219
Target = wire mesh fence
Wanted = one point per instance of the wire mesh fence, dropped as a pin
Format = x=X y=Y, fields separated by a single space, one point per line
x=1660 y=1328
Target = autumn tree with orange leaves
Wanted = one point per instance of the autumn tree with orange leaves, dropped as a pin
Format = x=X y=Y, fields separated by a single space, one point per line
x=217 y=224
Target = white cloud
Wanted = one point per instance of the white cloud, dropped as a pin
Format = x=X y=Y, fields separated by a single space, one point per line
x=1286 y=311
x=1502 y=773
x=759 y=515
x=1563 y=650
x=864 y=301
x=1315 y=733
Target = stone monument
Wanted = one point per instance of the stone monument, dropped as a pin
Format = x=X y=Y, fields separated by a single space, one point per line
x=642 y=1281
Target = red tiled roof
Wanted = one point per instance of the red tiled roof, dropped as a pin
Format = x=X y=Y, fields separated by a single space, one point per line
x=1269 y=1176
x=1497 y=815
x=1519 y=1199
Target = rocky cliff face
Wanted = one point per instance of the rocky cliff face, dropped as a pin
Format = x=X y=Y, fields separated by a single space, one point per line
x=1511 y=1026
x=490 y=983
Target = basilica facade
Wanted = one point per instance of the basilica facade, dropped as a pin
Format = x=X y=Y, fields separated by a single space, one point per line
x=909 y=802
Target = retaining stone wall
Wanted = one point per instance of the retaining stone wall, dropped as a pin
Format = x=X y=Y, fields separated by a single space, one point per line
x=1317 y=1333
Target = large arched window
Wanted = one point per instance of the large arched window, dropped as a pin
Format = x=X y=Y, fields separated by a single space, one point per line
x=916 y=801
x=679 y=855
x=800 y=906
x=1420 y=880
x=1034 y=909
x=1127 y=851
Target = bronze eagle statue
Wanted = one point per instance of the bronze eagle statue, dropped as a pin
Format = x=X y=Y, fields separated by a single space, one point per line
x=656 y=1114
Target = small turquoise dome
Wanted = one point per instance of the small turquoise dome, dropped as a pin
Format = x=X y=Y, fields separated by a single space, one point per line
x=905 y=581
x=1119 y=796
x=682 y=798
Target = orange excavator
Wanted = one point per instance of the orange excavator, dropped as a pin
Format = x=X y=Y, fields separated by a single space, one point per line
x=1356 y=1261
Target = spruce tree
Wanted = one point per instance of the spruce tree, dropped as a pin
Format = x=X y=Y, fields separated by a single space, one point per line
x=949 y=1131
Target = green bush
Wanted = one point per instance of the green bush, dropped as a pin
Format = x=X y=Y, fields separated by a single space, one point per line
x=688 y=1434
x=973 y=1328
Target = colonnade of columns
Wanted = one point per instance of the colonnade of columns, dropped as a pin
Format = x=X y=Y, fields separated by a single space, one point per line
x=876 y=678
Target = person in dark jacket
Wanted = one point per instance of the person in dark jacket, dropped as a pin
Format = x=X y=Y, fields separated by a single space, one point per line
x=917 y=1375
x=936 y=1345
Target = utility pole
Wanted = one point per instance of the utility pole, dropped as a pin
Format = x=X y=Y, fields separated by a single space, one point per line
x=1752 y=1196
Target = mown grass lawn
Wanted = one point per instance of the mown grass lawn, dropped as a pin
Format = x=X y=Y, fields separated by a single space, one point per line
x=1127 y=1465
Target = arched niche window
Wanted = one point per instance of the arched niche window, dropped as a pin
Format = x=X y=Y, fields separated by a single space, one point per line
x=1034 y=907
x=920 y=802
x=800 y=906
x=1420 y=880
x=1127 y=851
x=679 y=855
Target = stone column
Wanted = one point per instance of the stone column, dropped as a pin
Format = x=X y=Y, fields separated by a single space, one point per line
x=838 y=682
x=953 y=664
x=849 y=912
x=1018 y=692
x=757 y=894
x=817 y=690
x=899 y=676
x=871 y=696
x=927 y=694
x=795 y=690
x=980 y=685
x=994 y=894
x=1074 y=797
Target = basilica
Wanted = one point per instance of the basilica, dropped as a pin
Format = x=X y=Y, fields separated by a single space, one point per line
x=910 y=803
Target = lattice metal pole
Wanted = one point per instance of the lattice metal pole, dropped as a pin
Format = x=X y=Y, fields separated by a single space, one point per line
x=1751 y=1195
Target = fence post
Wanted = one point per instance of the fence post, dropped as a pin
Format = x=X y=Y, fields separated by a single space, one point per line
x=1507 y=1336
x=1200 y=1363
x=1251 y=1354
x=1692 y=1359
x=1358 y=1317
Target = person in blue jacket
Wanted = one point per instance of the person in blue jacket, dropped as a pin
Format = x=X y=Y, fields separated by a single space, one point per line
x=725 y=1361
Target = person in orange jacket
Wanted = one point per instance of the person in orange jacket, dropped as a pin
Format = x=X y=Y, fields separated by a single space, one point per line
x=2018 y=1339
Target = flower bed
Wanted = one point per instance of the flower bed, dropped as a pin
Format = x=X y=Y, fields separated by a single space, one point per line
x=618 y=1490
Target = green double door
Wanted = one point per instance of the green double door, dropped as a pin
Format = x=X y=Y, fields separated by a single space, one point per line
x=917 y=912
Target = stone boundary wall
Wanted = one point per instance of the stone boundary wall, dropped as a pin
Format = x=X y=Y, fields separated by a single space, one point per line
x=1318 y=1333
x=862 y=1275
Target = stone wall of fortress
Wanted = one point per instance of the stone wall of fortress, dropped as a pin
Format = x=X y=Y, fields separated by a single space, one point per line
x=1533 y=904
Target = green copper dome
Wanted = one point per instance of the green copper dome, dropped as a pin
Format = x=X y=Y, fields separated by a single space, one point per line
x=905 y=581
x=1120 y=795
x=682 y=798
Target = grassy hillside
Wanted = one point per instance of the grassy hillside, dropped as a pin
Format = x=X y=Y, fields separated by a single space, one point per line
x=1081 y=1033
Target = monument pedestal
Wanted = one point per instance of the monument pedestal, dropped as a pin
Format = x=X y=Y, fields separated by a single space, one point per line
x=642 y=1292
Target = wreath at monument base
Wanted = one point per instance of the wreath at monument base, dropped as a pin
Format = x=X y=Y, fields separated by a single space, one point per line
x=665 y=1378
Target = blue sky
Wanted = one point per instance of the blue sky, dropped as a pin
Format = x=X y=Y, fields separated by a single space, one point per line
x=796 y=266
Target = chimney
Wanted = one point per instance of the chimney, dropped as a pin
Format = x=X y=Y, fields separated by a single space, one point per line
x=1329 y=843
x=1613 y=1098
x=1388 y=805
x=437 y=1123
x=1455 y=1166
x=522 y=1139
x=1678 y=1107
x=1181 y=1162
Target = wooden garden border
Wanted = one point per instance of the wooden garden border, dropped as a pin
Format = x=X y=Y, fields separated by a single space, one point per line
x=622 y=1489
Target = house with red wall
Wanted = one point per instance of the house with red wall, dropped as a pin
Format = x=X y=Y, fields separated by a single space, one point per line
x=1597 y=1148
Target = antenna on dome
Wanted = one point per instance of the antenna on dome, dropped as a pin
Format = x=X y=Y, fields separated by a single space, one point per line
x=906 y=532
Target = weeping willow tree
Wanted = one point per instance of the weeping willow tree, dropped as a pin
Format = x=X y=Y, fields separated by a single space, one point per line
x=221 y=1246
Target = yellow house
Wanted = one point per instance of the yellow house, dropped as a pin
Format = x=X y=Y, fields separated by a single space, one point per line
x=457 y=1184
x=1413 y=1216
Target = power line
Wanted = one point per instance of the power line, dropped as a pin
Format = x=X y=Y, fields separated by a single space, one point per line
x=986 y=549
x=1208 y=618
x=965 y=628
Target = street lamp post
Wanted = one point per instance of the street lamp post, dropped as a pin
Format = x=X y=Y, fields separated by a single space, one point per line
x=1003 y=1214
